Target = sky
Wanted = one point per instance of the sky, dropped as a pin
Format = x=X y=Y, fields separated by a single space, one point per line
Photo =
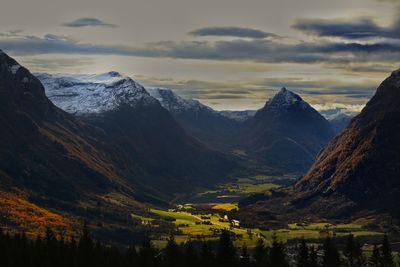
x=229 y=54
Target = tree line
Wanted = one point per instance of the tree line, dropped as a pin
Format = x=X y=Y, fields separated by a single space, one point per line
x=49 y=251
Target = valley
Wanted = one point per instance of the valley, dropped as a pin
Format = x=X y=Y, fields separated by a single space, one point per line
x=205 y=222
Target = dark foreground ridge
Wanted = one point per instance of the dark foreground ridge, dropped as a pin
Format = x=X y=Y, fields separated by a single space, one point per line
x=18 y=251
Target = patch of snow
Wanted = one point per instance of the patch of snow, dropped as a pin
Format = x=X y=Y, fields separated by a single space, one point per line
x=241 y=115
x=285 y=98
x=93 y=93
x=174 y=103
x=14 y=68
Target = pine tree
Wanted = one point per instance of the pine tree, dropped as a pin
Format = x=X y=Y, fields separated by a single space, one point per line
x=260 y=254
x=85 y=248
x=147 y=256
x=331 y=254
x=277 y=254
x=386 y=253
x=303 y=255
x=226 y=254
x=207 y=256
x=375 y=258
x=313 y=258
x=172 y=253
x=190 y=255
x=244 y=256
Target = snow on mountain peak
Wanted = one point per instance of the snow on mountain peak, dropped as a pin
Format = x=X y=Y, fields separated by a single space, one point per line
x=93 y=93
x=285 y=98
x=173 y=102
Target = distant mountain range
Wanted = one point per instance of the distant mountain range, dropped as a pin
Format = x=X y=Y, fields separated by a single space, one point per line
x=141 y=128
x=117 y=149
x=286 y=134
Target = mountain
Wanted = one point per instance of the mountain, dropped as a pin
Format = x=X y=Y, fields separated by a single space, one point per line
x=287 y=132
x=141 y=128
x=198 y=120
x=44 y=148
x=340 y=122
x=53 y=166
x=360 y=169
x=120 y=150
x=240 y=115
x=355 y=175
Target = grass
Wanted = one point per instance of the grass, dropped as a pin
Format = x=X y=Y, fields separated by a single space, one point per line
x=186 y=222
x=225 y=206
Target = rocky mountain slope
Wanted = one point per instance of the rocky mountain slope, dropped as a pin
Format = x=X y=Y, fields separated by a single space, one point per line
x=356 y=174
x=340 y=122
x=286 y=132
x=198 y=120
x=361 y=167
x=141 y=128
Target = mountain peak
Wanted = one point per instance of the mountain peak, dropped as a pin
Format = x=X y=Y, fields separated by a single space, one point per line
x=285 y=98
x=173 y=102
x=93 y=93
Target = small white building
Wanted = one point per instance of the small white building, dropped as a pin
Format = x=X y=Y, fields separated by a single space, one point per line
x=235 y=223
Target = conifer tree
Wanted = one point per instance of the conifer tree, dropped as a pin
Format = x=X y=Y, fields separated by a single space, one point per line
x=331 y=256
x=260 y=254
x=226 y=254
x=244 y=256
x=303 y=255
x=386 y=253
x=277 y=254
x=375 y=258
x=313 y=258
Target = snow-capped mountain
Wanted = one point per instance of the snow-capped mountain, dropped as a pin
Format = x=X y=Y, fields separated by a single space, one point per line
x=87 y=94
x=174 y=103
x=340 y=122
x=197 y=119
x=140 y=127
x=286 y=132
x=240 y=115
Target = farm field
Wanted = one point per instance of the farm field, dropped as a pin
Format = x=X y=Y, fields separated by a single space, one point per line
x=208 y=227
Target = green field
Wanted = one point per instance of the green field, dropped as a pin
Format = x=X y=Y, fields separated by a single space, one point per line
x=192 y=225
x=225 y=206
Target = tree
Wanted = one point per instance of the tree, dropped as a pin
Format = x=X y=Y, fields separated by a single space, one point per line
x=226 y=254
x=190 y=255
x=244 y=256
x=260 y=253
x=331 y=256
x=313 y=258
x=353 y=253
x=303 y=255
x=386 y=253
x=207 y=255
x=147 y=253
x=375 y=258
x=85 y=248
x=172 y=253
x=277 y=254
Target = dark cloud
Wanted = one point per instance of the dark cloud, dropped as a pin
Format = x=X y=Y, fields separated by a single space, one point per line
x=257 y=50
x=356 y=29
x=232 y=32
x=86 y=22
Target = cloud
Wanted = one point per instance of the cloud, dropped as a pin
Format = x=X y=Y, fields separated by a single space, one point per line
x=361 y=28
x=58 y=64
x=11 y=33
x=256 y=50
x=232 y=32
x=88 y=22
